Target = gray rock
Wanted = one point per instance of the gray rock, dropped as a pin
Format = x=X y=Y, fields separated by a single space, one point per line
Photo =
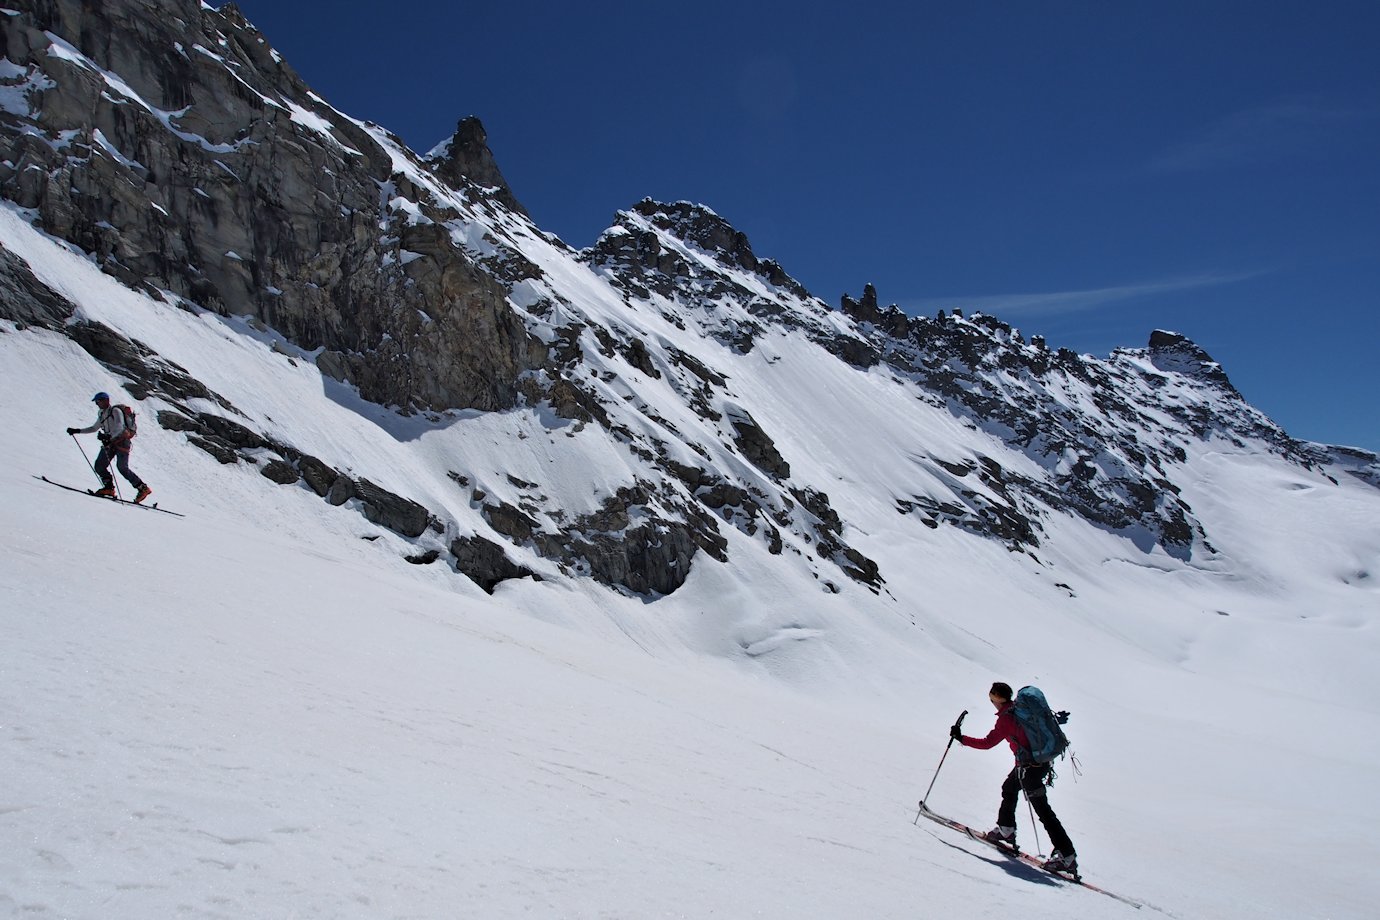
x=484 y=562
x=26 y=300
x=176 y=421
x=386 y=509
x=650 y=557
x=281 y=472
x=320 y=476
x=510 y=522
x=218 y=449
x=231 y=432
x=757 y=446
x=147 y=372
x=342 y=490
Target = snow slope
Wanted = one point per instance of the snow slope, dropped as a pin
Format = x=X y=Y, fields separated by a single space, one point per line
x=262 y=711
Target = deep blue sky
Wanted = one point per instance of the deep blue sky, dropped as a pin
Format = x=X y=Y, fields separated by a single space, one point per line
x=1087 y=171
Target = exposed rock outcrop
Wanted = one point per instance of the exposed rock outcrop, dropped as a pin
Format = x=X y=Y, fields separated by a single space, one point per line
x=466 y=157
x=26 y=300
x=207 y=168
x=485 y=563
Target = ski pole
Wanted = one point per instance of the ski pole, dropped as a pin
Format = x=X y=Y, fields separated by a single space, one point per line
x=83 y=454
x=957 y=724
x=1039 y=847
x=92 y=467
x=1034 y=827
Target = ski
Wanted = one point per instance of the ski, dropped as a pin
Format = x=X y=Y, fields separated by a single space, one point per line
x=1028 y=859
x=110 y=498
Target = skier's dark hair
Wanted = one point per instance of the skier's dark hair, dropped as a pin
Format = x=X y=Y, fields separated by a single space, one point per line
x=1002 y=690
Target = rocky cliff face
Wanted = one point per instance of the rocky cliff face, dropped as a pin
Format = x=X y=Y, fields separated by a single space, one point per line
x=172 y=144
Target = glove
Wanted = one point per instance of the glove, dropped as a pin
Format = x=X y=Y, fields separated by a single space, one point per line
x=71 y=431
x=956 y=733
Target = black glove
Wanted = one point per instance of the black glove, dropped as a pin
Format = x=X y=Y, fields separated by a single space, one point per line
x=71 y=431
x=956 y=733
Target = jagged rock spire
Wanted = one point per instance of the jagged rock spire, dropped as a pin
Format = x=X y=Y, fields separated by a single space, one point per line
x=466 y=156
x=1171 y=351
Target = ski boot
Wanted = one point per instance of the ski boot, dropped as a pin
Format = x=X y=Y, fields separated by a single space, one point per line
x=1058 y=862
x=1002 y=836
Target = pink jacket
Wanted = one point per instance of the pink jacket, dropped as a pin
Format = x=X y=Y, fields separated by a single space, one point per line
x=1006 y=729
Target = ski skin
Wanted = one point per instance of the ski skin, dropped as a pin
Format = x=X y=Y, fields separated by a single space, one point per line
x=1026 y=858
x=118 y=501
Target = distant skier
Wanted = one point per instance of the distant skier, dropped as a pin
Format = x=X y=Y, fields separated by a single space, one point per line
x=116 y=441
x=1030 y=777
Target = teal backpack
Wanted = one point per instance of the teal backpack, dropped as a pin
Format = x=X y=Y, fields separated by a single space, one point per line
x=1041 y=724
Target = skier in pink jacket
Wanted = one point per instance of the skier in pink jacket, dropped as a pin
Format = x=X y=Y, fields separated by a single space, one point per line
x=1032 y=778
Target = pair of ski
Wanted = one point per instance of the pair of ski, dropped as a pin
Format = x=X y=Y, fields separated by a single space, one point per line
x=1015 y=853
x=111 y=498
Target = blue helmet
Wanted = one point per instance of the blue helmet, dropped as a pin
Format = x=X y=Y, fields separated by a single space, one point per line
x=101 y=396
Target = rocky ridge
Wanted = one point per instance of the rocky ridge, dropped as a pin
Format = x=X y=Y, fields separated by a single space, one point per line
x=170 y=142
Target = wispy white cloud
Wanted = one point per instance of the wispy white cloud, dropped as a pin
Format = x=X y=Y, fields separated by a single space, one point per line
x=1058 y=302
x=1287 y=127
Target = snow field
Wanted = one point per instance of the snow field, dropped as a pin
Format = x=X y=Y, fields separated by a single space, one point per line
x=254 y=712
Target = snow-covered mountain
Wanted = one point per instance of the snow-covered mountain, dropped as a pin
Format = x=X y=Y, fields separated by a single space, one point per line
x=759 y=523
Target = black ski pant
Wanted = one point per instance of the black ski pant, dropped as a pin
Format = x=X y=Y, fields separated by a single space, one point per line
x=121 y=458
x=1031 y=780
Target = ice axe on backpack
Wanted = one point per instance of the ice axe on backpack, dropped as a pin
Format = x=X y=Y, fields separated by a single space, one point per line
x=952 y=733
